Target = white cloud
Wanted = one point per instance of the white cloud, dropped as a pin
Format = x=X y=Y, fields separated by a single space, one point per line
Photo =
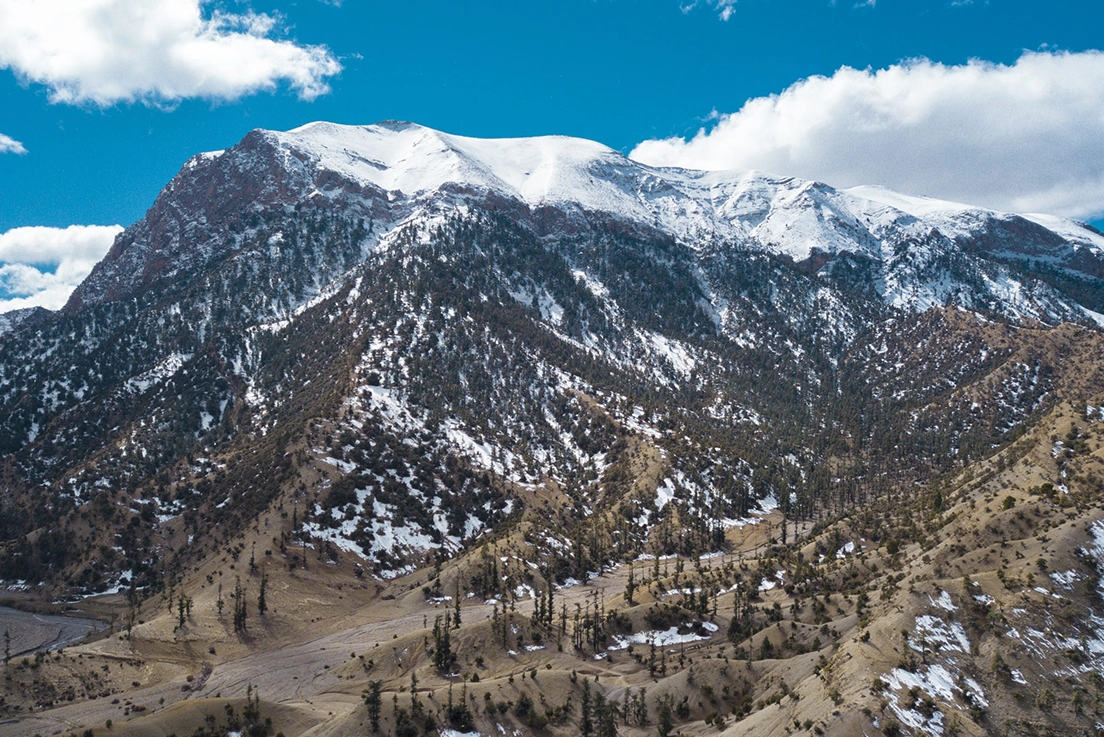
x=9 y=145
x=40 y=267
x=1026 y=137
x=724 y=8
x=154 y=51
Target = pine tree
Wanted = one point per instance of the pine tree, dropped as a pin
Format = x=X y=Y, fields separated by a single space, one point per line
x=550 y=610
x=241 y=612
x=640 y=707
x=442 y=646
x=605 y=717
x=456 y=619
x=665 y=722
x=586 y=726
x=132 y=613
x=415 y=702
x=459 y=715
x=373 y=699
x=262 y=605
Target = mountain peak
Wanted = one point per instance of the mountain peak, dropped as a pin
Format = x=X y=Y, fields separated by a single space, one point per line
x=413 y=159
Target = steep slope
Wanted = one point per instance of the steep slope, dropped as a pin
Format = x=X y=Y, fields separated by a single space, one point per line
x=523 y=310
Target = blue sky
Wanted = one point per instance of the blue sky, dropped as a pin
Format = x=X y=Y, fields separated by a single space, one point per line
x=91 y=140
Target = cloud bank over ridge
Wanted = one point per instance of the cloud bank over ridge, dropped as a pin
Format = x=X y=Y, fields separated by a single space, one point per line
x=1025 y=137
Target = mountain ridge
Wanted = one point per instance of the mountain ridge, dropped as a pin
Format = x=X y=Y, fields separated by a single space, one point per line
x=396 y=173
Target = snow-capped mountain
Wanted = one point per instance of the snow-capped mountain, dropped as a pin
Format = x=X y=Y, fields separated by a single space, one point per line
x=921 y=252
x=412 y=338
x=784 y=215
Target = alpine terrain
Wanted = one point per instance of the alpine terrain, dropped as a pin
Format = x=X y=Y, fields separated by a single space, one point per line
x=379 y=430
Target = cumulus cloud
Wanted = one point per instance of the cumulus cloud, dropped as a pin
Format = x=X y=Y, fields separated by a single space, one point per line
x=1026 y=137
x=40 y=267
x=9 y=145
x=155 y=51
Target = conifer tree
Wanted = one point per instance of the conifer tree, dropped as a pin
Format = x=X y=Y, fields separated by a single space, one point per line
x=442 y=647
x=373 y=699
x=241 y=611
x=605 y=717
x=456 y=618
x=664 y=719
x=132 y=612
x=550 y=610
x=262 y=605
x=586 y=726
x=415 y=702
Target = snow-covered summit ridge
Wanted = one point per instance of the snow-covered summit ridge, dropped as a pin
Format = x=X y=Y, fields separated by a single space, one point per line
x=416 y=161
x=400 y=178
x=783 y=214
x=952 y=216
x=412 y=159
x=417 y=158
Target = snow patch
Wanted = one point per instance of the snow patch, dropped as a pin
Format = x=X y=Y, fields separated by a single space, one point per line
x=662 y=638
x=933 y=633
x=944 y=602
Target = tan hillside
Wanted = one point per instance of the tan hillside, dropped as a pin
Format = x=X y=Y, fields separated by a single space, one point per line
x=968 y=607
